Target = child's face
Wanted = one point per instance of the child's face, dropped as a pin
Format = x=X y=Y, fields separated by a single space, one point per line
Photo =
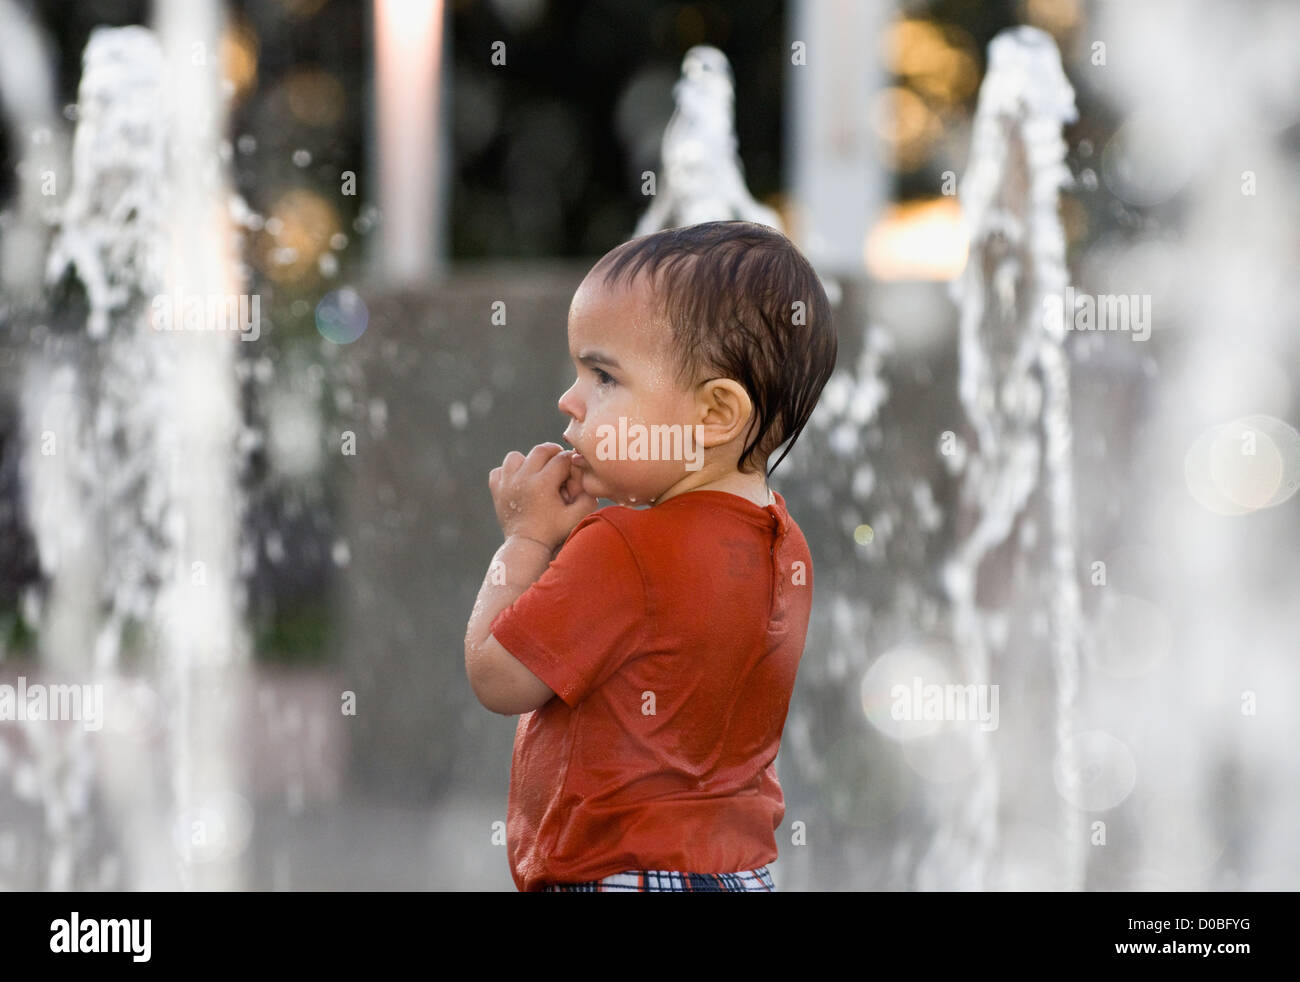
x=622 y=352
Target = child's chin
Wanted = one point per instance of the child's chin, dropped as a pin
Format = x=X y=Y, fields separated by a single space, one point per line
x=599 y=489
x=595 y=487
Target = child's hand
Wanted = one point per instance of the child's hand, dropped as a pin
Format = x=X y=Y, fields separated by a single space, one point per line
x=539 y=496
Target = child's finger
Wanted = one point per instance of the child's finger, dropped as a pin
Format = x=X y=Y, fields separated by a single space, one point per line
x=573 y=486
x=541 y=455
x=511 y=463
x=569 y=489
x=555 y=471
x=581 y=506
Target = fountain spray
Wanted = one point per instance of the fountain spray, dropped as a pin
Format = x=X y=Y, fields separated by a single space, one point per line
x=1014 y=387
x=132 y=467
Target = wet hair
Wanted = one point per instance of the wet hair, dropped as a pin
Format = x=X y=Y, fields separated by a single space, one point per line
x=743 y=303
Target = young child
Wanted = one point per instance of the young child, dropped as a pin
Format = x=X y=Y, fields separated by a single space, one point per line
x=654 y=654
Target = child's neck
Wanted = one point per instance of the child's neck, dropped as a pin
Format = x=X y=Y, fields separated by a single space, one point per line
x=750 y=486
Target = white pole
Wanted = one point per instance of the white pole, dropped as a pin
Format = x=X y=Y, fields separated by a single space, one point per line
x=408 y=72
x=839 y=184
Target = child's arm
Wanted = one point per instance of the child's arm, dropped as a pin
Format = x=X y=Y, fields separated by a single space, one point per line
x=538 y=502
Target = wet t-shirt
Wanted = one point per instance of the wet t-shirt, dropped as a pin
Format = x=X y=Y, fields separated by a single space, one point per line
x=671 y=636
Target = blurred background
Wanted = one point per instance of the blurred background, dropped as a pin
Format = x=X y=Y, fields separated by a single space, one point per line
x=263 y=546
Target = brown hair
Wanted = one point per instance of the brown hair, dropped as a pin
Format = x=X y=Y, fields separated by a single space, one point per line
x=743 y=304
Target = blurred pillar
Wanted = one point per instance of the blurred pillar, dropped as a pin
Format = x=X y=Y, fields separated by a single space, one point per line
x=833 y=70
x=409 y=141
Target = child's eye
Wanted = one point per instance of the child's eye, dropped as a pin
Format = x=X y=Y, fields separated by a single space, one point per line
x=604 y=378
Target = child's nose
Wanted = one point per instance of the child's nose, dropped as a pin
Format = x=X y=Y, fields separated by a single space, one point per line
x=569 y=404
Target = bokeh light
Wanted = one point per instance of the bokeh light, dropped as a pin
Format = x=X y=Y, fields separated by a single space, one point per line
x=298 y=230
x=239 y=50
x=918 y=240
x=1094 y=771
x=936 y=60
x=1244 y=465
x=888 y=684
x=315 y=97
x=216 y=829
x=1150 y=158
x=341 y=316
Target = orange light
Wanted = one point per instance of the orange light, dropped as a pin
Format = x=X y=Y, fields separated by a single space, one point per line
x=239 y=48
x=296 y=234
x=937 y=61
x=918 y=240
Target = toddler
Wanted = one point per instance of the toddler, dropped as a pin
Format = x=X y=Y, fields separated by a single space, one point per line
x=651 y=645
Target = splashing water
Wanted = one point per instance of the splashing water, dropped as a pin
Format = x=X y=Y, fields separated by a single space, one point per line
x=91 y=505
x=702 y=179
x=129 y=476
x=1014 y=386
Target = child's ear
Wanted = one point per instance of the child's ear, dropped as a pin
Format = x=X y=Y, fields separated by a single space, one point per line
x=725 y=411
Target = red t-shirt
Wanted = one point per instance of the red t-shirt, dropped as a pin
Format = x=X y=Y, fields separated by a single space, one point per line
x=672 y=636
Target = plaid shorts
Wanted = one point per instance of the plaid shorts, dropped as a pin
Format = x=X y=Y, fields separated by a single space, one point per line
x=669 y=881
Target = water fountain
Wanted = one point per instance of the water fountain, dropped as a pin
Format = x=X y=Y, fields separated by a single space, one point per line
x=941 y=494
x=130 y=471
x=1193 y=628
x=1014 y=388
x=702 y=178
